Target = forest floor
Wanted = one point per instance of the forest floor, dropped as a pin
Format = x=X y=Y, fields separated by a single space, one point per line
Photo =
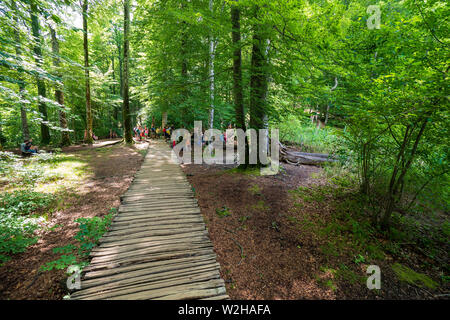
x=300 y=235
x=104 y=174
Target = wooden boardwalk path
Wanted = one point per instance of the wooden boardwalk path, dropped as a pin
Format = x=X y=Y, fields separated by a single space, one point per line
x=157 y=246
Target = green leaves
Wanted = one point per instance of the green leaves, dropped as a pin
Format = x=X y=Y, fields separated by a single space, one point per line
x=91 y=230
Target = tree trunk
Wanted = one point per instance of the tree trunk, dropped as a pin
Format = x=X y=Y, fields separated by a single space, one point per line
x=23 y=112
x=238 y=96
x=400 y=171
x=164 y=120
x=328 y=104
x=258 y=83
x=45 y=133
x=59 y=95
x=89 y=128
x=237 y=68
x=211 y=73
x=126 y=99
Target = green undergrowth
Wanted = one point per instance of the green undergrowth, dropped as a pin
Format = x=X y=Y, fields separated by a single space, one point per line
x=223 y=212
x=31 y=189
x=341 y=217
x=88 y=236
x=251 y=171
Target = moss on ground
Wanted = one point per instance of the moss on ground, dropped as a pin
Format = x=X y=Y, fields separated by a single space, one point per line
x=412 y=277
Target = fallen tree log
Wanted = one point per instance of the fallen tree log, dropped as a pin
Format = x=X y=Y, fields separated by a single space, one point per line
x=297 y=158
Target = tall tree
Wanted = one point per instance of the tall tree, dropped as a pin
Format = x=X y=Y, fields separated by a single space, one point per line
x=59 y=95
x=23 y=112
x=126 y=49
x=211 y=71
x=45 y=132
x=237 y=67
x=258 y=80
x=89 y=129
x=238 y=95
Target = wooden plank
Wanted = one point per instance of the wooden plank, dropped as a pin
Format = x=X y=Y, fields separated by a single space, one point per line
x=140 y=266
x=151 y=291
x=158 y=219
x=158 y=285
x=150 y=275
x=155 y=232
x=150 y=250
x=157 y=202
x=197 y=294
x=182 y=292
x=144 y=215
x=165 y=222
x=156 y=208
x=185 y=236
x=220 y=297
x=133 y=246
x=149 y=258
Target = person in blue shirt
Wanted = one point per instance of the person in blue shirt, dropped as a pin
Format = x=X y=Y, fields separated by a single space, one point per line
x=26 y=147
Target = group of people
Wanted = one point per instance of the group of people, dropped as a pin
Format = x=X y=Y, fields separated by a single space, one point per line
x=141 y=133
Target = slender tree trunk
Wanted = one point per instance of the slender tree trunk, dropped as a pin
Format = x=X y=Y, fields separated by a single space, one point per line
x=45 y=133
x=120 y=58
x=23 y=112
x=237 y=68
x=238 y=95
x=59 y=95
x=258 y=82
x=126 y=99
x=211 y=72
x=184 y=63
x=114 y=91
x=89 y=128
x=328 y=104
x=397 y=177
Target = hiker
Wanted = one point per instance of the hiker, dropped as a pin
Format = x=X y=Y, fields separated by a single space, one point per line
x=27 y=148
x=137 y=133
x=153 y=132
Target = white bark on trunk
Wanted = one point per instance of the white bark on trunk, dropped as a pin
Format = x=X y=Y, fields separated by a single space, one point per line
x=211 y=73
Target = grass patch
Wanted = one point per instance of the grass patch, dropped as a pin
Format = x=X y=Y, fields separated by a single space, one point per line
x=252 y=171
x=260 y=206
x=223 y=212
x=254 y=189
x=412 y=277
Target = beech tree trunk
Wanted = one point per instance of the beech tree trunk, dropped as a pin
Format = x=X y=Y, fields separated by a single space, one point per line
x=45 y=132
x=258 y=83
x=23 y=112
x=211 y=73
x=59 y=95
x=238 y=96
x=237 y=68
x=126 y=48
x=89 y=129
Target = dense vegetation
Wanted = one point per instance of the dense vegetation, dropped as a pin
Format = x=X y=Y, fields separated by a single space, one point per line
x=368 y=84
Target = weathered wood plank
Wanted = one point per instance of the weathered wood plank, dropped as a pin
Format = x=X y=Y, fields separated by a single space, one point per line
x=140 y=266
x=149 y=258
